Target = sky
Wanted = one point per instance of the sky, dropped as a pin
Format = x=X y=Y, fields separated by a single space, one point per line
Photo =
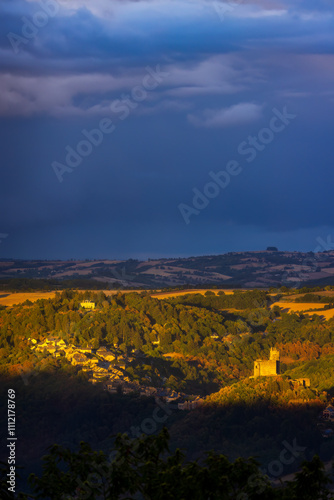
x=165 y=128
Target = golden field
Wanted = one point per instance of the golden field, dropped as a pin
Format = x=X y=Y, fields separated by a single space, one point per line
x=18 y=298
x=303 y=307
x=166 y=295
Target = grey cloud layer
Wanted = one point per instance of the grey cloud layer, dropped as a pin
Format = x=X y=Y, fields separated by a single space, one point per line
x=101 y=50
x=244 y=112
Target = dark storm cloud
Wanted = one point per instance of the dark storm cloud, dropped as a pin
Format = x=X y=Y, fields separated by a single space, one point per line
x=83 y=35
x=78 y=41
x=224 y=78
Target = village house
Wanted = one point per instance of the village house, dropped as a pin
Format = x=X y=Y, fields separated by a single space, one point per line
x=51 y=349
x=120 y=386
x=328 y=413
x=127 y=390
x=100 y=372
x=87 y=304
x=115 y=374
x=59 y=353
x=52 y=340
x=120 y=365
x=78 y=358
x=48 y=347
x=93 y=361
x=85 y=350
x=44 y=343
x=111 y=388
x=69 y=352
x=104 y=353
x=173 y=396
x=190 y=405
x=304 y=382
x=86 y=368
x=50 y=344
x=148 y=391
x=93 y=380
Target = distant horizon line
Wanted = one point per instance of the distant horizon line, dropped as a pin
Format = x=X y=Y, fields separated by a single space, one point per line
x=147 y=259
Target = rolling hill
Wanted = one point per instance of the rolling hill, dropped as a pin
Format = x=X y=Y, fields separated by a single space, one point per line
x=260 y=269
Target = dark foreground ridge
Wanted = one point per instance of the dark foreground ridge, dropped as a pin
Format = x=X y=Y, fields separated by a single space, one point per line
x=145 y=468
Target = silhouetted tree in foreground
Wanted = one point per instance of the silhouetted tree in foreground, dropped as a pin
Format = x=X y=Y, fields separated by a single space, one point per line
x=144 y=468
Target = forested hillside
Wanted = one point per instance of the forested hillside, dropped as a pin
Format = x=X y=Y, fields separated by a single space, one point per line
x=222 y=333
x=196 y=344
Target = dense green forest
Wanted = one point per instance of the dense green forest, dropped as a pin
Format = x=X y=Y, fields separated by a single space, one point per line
x=217 y=336
x=138 y=321
x=198 y=344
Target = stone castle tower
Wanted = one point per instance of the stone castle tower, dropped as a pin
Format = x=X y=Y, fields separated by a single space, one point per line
x=268 y=368
x=274 y=354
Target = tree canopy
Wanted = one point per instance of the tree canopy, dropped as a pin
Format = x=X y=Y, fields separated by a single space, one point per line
x=145 y=468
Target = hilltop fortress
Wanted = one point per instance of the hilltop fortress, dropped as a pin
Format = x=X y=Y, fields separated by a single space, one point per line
x=265 y=368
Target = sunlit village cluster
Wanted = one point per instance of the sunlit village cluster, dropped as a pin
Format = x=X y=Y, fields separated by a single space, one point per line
x=109 y=368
